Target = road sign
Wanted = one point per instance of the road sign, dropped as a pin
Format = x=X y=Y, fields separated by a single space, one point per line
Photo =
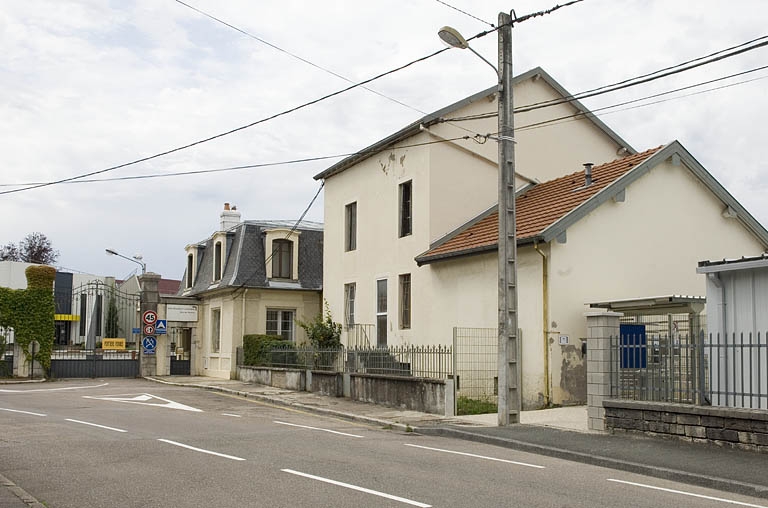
x=149 y=344
x=136 y=331
x=149 y=317
x=161 y=327
x=149 y=330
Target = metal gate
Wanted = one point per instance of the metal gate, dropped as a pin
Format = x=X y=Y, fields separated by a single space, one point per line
x=475 y=367
x=87 y=315
x=181 y=343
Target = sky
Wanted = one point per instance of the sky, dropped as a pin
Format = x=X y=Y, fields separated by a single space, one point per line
x=91 y=84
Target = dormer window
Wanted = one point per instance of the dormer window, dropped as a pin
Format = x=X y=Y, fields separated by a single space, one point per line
x=190 y=267
x=282 y=259
x=217 y=261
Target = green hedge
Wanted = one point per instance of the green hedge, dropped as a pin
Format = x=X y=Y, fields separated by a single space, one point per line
x=257 y=347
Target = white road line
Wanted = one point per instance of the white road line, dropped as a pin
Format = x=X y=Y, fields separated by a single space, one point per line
x=360 y=489
x=95 y=425
x=476 y=456
x=702 y=496
x=22 y=412
x=209 y=452
x=53 y=389
x=230 y=414
x=317 y=428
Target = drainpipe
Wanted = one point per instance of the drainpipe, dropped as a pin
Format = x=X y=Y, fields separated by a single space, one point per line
x=242 y=318
x=545 y=319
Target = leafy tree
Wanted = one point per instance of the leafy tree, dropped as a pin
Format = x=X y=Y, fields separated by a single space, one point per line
x=36 y=248
x=323 y=333
x=113 y=321
x=9 y=252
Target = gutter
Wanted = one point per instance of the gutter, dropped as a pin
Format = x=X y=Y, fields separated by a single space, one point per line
x=545 y=320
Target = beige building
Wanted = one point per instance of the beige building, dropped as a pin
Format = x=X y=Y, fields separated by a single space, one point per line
x=410 y=230
x=250 y=277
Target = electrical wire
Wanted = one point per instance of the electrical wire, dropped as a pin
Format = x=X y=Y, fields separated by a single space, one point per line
x=465 y=13
x=247 y=166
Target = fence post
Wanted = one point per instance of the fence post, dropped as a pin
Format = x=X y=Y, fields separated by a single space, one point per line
x=601 y=327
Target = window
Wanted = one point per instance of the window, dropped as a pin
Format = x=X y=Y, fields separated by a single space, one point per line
x=381 y=313
x=406 y=207
x=280 y=322
x=190 y=266
x=349 y=304
x=350 y=227
x=405 y=300
x=282 y=257
x=217 y=261
x=215 y=330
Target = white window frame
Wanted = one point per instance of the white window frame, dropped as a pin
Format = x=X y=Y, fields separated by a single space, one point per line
x=350 y=293
x=405 y=300
x=381 y=312
x=280 y=320
x=350 y=227
x=216 y=330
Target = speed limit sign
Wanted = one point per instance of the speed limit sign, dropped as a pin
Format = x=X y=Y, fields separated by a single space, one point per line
x=149 y=317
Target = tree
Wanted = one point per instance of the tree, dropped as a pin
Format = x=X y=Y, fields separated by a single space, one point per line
x=34 y=248
x=323 y=333
x=9 y=252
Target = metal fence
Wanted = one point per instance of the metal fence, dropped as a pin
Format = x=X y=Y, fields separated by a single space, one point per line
x=413 y=361
x=361 y=335
x=6 y=363
x=690 y=367
x=476 y=363
x=88 y=363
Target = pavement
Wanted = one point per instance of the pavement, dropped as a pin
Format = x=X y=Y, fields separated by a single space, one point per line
x=557 y=432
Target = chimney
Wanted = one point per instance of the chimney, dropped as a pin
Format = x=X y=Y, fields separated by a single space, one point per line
x=588 y=174
x=229 y=218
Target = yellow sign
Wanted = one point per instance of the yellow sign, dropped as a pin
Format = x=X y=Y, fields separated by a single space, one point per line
x=113 y=344
x=66 y=317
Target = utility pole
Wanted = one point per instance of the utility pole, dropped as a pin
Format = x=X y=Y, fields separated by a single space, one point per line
x=509 y=400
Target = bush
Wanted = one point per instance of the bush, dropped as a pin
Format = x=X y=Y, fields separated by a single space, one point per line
x=468 y=406
x=257 y=348
x=323 y=333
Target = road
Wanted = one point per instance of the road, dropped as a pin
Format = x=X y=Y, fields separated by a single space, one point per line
x=133 y=443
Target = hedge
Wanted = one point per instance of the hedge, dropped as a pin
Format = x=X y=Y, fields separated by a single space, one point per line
x=257 y=347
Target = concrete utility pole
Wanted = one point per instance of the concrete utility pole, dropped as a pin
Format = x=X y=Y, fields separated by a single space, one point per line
x=509 y=401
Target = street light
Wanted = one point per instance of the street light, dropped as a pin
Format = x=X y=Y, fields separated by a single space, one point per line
x=136 y=259
x=509 y=346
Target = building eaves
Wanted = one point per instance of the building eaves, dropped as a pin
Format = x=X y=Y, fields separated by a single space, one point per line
x=426 y=121
x=726 y=265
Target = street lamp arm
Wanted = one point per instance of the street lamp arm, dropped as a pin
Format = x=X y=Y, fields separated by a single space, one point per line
x=481 y=57
x=112 y=252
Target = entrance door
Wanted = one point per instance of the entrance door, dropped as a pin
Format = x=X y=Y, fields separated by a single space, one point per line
x=180 y=351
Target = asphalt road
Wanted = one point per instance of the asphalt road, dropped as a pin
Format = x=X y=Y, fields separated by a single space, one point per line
x=133 y=443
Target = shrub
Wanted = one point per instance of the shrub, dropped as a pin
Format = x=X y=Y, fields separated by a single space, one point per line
x=257 y=348
x=323 y=333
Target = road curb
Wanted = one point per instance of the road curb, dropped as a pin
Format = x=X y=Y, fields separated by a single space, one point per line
x=714 y=482
x=22 y=494
x=296 y=405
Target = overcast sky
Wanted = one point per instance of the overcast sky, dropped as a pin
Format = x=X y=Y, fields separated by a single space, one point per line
x=86 y=85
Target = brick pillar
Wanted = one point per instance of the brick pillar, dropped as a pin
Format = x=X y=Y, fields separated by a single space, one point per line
x=601 y=326
x=150 y=298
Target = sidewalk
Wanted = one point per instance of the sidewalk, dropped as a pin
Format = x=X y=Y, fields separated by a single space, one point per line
x=13 y=496
x=560 y=433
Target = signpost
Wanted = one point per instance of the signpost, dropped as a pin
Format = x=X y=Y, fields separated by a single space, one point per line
x=149 y=345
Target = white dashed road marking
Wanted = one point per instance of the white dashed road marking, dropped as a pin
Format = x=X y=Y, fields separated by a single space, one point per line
x=691 y=494
x=317 y=428
x=209 y=452
x=95 y=425
x=52 y=389
x=476 y=456
x=22 y=412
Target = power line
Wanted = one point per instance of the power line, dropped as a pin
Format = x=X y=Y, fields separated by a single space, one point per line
x=652 y=76
x=247 y=166
x=465 y=13
x=544 y=12
x=294 y=55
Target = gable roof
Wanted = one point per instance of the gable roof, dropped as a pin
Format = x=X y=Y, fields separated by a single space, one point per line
x=415 y=127
x=545 y=211
x=245 y=263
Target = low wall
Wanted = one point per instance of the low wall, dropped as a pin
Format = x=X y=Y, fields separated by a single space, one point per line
x=735 y=427
x=416 y=394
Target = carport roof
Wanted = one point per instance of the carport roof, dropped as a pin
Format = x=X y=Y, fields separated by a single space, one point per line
x=677 y=304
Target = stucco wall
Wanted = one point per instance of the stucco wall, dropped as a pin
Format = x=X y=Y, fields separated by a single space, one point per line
x=648 y=245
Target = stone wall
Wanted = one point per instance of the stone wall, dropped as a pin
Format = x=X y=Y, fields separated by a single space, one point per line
x=416 y=394
x=735 y=427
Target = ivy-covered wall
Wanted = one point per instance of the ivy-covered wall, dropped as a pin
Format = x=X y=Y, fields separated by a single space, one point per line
x=30 y=312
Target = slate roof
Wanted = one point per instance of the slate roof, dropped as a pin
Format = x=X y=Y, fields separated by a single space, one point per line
x=245 y=263
x=537 y=207
x=437 y=116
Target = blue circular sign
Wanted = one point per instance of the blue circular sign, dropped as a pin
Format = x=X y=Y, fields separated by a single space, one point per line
x=149 y=344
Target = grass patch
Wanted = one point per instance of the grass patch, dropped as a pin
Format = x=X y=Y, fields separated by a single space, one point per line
x=467 y=406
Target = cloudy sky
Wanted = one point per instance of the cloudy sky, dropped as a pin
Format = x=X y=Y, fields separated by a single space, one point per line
x=90 y=84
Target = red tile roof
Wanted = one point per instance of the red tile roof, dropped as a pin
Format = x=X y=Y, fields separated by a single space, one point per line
x=538 y=208
x=168 y=286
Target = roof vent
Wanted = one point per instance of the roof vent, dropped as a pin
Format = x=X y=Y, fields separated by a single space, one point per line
x=588 y=174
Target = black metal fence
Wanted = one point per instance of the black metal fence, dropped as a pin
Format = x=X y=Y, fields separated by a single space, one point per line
x=692 y=368
x=88 y=363
x=416 y=361
x=6 y=363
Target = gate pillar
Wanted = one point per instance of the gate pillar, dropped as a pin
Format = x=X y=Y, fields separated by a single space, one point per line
x=150 y=298
x=601 y=327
